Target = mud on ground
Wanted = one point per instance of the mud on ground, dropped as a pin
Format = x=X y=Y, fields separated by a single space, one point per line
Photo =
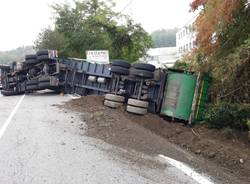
x=229 y=150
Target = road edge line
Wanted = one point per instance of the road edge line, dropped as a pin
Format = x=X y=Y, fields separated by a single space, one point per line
x=187 y=170
x=7 y=122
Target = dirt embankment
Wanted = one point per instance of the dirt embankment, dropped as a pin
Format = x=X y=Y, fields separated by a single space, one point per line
x=117 y=127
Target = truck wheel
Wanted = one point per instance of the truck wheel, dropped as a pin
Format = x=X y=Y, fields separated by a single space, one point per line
x=42 y=52
x=112 y=104
x=144 y=66
x=31 y=61
x=44 y=80
x=136 y=110
x=142 y=73
x=119 y=70
x=44 y=84
x=7 y=93
x=138 y=103
x=121 y=63
x=115 y=98
x=31 y=87
x=43 y=58
x=32 y=82
x=30 y=57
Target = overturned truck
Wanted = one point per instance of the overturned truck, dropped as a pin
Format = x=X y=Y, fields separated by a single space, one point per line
x=37 y=72
x=170 y=93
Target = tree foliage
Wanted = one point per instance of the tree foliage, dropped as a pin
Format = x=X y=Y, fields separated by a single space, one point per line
x=51 y=39
x=228 y=115
x=223 y=48
x=215 y=17
x=164 y=38
x=93 y=25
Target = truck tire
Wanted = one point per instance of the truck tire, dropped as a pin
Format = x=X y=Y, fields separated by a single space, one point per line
x=31 y=61
x=30 y=57
x=42 y=52
x=32 y=82
x=121 y=63
x=43 y=58
x=138 y=103
x=10 y=93
x=119 y=70
x=142 y=74
x=7 y=93
x=115 y=98
x=112 y=104
x=136 y=110
x=144 y=66
x=44 y=84
x=32 y=87
x=44 y=80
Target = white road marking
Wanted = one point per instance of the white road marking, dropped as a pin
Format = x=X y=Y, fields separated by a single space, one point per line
x=7 y=122
x=187 y=170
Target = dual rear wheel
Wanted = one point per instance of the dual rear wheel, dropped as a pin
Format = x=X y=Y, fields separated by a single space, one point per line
x=134 y=106
x=137 y=106
x=114 y=101
x=140 y=70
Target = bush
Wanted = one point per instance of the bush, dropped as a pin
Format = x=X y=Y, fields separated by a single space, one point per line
x=226 y=115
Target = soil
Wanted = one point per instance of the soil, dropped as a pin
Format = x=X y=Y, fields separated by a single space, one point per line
x=151 y=134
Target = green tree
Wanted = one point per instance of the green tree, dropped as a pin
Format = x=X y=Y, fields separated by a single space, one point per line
x=51 y=39
x=93 y=25
x=164 y=38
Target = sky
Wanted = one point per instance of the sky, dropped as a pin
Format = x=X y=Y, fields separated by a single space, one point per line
x=22 y=20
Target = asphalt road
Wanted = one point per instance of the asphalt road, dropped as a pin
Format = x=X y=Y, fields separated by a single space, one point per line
x=42 y=144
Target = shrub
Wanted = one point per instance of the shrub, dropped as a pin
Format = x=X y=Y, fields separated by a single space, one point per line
x=248 y=124
x=226 y=115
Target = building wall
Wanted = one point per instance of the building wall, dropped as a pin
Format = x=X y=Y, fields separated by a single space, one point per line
x=161 y=57
x=185 y=39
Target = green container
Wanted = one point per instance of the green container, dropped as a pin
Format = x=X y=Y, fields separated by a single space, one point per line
x=179 y=95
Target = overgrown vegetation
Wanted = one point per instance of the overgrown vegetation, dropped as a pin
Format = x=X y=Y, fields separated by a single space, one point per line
x=93 y=25
x=223 y=50
x=182 y=65
x=228 y=115
x=223 y=35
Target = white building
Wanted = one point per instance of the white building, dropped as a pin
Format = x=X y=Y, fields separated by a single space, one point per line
x=185 y=38
x=167 y=56
x=161 y=57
